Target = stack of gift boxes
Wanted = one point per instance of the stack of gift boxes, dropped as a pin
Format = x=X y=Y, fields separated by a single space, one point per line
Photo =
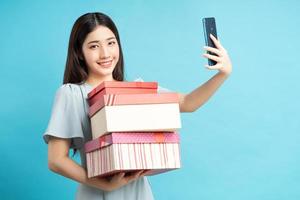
x=133 y=128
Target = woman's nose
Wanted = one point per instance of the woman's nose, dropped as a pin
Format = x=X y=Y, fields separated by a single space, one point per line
x=104 y=53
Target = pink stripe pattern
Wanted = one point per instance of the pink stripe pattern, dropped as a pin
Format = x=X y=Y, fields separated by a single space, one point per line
x=155 y=157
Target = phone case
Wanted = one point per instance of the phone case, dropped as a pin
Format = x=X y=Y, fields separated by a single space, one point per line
x=209 y=27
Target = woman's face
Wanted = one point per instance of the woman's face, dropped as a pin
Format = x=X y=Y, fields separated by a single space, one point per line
x=101 y=52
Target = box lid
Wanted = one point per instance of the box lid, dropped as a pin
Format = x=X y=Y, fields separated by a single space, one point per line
x=122 y=84
x=129 y=99
x=130 y=138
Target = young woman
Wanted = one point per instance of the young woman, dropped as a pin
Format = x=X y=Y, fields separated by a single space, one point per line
x=95 y=55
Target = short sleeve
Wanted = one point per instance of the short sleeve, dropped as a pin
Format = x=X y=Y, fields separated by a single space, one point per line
x=66 y=117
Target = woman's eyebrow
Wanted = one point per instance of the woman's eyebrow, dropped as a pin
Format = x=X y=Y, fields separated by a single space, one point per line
x=94 y=41
x=98 y=41
x=111 y=38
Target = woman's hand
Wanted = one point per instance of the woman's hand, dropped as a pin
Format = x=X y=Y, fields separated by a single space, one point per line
x=116 y=181
x=192 y=101
x=122 y=179
x=222 y=58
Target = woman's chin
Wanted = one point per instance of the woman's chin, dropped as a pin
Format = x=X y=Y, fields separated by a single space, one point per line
x=105 y=71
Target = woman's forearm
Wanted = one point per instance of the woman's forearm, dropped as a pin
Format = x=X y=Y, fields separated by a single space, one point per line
x=195 y=99
x=70 y=169
x=59 y=162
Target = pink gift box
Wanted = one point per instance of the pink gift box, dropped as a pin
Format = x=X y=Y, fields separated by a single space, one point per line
x=128 y=137
x=115 y=152
x=129 y=99
x=121 y=87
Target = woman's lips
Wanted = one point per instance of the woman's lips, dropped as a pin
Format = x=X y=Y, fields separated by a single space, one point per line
x=105 y=63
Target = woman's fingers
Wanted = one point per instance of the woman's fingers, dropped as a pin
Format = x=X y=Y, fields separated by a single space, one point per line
x=220 y=56
x=116 y=180
x=133 y=176
x=118 y=176
x=213 y=50
x=216 y=42
x=214 y=67
x=212 y=57
x=120 y=179
x=144 y=172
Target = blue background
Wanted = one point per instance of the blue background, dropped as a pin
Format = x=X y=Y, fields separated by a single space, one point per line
x=243 y=144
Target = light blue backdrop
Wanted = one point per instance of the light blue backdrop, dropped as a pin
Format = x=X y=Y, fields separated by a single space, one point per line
x=243 y=144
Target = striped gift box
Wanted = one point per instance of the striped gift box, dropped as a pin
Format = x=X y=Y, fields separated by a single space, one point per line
x=130 y=99
x=121 y=87
x=116 y=152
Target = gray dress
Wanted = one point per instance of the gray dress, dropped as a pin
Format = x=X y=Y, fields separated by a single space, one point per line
x=69 y=119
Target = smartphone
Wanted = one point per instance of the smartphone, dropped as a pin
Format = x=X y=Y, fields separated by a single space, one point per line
x=209 y=27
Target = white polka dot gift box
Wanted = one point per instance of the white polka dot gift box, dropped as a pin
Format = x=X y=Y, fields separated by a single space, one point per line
x=126 y=152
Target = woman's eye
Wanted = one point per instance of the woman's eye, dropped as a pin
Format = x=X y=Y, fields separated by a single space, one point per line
x=93 y=46
x=112 y=43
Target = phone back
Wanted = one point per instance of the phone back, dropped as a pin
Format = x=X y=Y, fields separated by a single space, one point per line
x=209 y=27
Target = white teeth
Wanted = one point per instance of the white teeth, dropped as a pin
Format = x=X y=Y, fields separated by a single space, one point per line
x=105 y=63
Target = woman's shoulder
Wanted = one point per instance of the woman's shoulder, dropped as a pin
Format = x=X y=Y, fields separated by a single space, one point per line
x=69 y=90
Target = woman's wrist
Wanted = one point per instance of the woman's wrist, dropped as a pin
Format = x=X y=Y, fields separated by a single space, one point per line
x=225 y=73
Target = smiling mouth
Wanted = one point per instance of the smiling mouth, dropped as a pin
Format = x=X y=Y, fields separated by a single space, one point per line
x=105 y=63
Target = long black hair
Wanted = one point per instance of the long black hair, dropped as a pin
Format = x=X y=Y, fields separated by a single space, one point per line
x=76 y=70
